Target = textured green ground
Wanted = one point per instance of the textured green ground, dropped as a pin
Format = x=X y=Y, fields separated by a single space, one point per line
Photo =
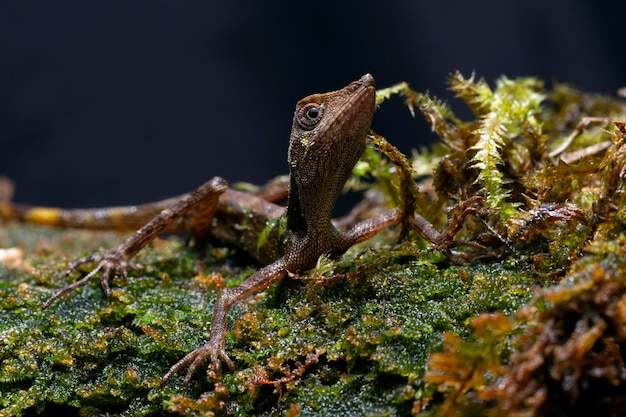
x=367 y=338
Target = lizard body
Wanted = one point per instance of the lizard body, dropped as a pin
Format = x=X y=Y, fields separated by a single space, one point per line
x=328 y=136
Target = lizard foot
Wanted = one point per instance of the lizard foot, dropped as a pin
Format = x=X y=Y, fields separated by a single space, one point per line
x=113 y=262
x=456 y=217
x=215 y=351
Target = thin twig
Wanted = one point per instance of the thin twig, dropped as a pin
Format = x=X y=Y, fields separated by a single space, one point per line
x=582 y=125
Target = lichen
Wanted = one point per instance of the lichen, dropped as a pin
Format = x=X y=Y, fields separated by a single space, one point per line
x=531 y=323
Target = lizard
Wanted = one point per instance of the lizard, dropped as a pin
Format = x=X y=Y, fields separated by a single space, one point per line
x=328 y=136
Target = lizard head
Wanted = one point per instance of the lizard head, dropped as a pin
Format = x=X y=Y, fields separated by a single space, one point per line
x=327 y=138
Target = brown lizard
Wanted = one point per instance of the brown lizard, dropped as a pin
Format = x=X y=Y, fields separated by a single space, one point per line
x=328 y=136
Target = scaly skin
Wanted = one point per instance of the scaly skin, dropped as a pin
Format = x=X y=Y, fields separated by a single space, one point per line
x=328 y=136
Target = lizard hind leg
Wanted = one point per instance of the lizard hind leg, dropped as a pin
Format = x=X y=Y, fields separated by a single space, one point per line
x=118 y=260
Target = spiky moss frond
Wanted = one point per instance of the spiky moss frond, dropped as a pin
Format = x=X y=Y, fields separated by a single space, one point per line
x=393 y=172
x=491 y=135
x=502 y=114
x=385 y=94
x=436 y=112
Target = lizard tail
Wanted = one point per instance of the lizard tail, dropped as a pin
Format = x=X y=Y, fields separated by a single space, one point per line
x=8 y=210
x=7 y=187
x=127 y=218
x=110 y=218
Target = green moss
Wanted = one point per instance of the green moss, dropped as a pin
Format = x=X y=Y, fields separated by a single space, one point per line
x=104 y=356
x=395 y=324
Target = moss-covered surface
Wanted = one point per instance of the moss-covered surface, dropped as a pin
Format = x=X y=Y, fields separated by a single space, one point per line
x=533 y=322
x=341 y=346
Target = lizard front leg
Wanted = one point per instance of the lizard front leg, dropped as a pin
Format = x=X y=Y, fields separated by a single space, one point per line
x=370 y=227
x=215 y=349
x=118 y=259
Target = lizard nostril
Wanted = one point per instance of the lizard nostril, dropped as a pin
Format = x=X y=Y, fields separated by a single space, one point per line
x=368 y=80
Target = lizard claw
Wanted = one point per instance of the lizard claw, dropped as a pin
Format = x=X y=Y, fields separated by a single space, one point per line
x=113 y=262
x=215 y=351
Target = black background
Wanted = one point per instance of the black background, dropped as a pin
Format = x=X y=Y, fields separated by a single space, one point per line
x=118 y=101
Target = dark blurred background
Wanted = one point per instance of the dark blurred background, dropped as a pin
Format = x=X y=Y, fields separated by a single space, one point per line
x=117 y=102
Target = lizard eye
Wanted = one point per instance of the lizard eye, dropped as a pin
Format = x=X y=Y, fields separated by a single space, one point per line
x=312 y=113
x=309 y=116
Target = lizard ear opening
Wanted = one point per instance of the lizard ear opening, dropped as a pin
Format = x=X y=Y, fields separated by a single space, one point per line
x=309 y=115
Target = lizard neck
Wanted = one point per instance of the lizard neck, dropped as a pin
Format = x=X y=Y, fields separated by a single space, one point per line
x=327 y=139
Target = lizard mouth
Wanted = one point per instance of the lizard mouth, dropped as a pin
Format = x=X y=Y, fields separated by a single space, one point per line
x=361 y=91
